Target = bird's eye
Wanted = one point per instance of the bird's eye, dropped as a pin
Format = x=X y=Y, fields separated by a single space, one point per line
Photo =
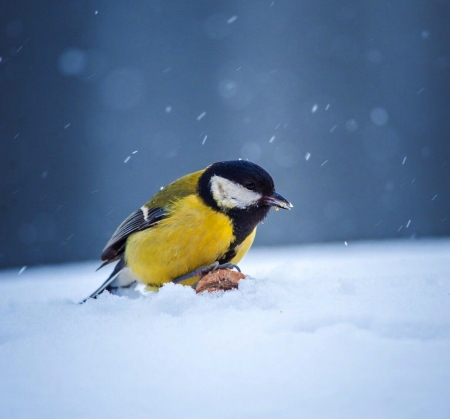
x=250 y=185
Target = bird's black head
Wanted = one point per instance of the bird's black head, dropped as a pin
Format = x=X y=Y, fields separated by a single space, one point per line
x=239 y=186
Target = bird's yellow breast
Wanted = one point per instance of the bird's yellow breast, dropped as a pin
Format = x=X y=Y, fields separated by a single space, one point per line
x=190 y=236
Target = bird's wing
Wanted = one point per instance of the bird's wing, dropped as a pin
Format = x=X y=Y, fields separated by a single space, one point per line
x=149 y=215
x=139 y=220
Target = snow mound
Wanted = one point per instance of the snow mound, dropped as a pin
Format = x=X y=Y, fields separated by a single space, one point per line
x=324 y=331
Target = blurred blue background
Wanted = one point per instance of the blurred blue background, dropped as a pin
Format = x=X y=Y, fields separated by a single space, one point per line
x=345 y=103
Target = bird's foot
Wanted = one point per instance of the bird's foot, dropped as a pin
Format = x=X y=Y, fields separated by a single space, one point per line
x=203 y=270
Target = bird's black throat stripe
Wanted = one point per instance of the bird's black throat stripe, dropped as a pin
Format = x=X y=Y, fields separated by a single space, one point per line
x=244 y=220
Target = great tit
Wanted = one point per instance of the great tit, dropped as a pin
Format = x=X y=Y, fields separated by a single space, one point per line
x=202 y=221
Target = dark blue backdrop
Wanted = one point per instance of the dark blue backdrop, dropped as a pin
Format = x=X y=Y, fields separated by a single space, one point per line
x=345 y=103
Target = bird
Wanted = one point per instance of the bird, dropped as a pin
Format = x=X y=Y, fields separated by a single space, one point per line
x=203 y=221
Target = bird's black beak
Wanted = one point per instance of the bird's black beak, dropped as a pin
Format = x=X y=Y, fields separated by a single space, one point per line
x=277 y=201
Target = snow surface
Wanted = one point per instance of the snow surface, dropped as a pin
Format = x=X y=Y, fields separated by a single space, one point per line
x=329 y=331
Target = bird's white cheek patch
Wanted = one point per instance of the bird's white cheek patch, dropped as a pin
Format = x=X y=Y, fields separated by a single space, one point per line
x=229 y=194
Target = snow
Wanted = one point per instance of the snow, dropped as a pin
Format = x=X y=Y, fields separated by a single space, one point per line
x=325 y=331
x=201 y=116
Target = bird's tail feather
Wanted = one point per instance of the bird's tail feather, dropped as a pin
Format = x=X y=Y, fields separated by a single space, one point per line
x=106 y=285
